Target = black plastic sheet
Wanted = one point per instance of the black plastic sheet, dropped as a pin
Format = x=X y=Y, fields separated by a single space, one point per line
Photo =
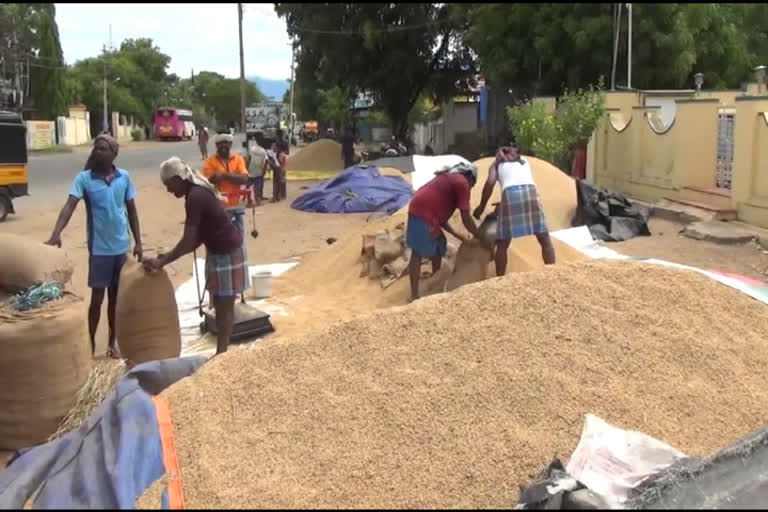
x=734 y=478
x=555 y=489
x=610 y=216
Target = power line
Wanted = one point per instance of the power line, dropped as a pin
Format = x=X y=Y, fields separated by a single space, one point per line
x=387 y=30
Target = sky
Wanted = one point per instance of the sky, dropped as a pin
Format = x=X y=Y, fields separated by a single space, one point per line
x=203 y=37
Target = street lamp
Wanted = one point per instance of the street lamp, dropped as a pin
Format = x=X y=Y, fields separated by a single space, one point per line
x=698 y=79
x=760 y=78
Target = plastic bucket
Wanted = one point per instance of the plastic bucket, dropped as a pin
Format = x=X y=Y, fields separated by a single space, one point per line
x=261 y=285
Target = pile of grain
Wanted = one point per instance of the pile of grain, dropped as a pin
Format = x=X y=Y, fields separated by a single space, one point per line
x=331 y=276
x=323 y=155
x=455 y=400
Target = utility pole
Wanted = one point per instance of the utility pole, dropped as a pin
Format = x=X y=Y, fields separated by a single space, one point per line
x=105 y=119
x=629 y=46
x=290 y=107
x=616 y=35
x=242 y=67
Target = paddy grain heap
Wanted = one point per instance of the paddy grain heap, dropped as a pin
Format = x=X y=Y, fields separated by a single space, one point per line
x=332 y=276
x=323 y=155
x=455 y=400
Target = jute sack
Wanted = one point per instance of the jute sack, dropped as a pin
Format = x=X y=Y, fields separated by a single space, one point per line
x=25 y=262
x=471 y=265
x=45 y=357
x=147 y=320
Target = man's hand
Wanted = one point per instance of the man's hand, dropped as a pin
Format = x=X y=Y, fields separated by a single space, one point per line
x=55 y=241
x=478 y=213
x=138 y=251
x=152 y=264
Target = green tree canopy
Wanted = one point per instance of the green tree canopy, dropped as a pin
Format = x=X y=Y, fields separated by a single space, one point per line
x=136 y=74
x=542 y=48
x=48 y=87
x=397 y=52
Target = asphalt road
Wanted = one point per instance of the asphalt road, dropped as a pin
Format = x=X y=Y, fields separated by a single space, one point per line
x=51 y=176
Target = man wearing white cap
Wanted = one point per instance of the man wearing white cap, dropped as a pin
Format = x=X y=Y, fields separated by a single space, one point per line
x=207 y=223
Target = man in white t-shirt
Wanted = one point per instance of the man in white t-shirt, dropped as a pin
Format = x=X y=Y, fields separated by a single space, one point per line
x=520 y=212
x=255 y=159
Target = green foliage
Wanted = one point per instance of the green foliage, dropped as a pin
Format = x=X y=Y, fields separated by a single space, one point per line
x=552 y=136
x=540 y=48
x=537 y=132
x=137 y=134
x=210 y=95
x=422 y=112
x=48 y=91
x=360 y=46
x=579 y=112
x=334 y=105
x=135 y=77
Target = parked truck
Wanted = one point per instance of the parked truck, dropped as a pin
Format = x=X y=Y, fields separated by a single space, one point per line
x=263 y=120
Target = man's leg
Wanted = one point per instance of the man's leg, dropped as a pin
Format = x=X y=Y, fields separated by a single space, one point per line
x=94 y=315
x=111 y=309
x=547 y=249
x=437 y=262
x=502 y=246
x=118 y=262
x=414 y=269
x=260 y=186
x=225 y=321
x=275 y=186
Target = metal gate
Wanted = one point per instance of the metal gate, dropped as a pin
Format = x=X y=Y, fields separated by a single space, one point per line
x=725 y=125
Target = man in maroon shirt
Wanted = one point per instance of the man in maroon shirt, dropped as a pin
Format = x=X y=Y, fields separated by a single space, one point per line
x=226 y=268
x=428 y=214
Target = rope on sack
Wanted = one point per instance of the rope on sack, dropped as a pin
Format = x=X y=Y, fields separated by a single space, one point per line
x=35 y=296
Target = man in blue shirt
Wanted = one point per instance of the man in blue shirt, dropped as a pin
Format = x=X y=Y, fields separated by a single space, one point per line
x=110 y=208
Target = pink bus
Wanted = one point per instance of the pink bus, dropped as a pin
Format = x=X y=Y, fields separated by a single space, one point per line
x=174 y=123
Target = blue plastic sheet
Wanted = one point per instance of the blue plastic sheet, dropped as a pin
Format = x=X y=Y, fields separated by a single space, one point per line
x=110 y=460
x=355 y=190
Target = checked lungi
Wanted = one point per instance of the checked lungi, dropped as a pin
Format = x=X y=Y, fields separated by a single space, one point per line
x=520 y=213
x=226 y=275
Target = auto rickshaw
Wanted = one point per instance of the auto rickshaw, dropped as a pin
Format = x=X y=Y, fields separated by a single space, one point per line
x=13 y=161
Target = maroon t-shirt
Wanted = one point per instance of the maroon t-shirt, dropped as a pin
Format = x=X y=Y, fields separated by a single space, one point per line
x=214 y=227
x=436 y=201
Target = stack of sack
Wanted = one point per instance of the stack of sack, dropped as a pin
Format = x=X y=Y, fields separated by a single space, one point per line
x=384 y=256
x=45 y=353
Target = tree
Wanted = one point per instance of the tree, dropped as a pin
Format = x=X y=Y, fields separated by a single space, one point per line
x=136 y=78
x=335 y=105
x=48 y=89
x=218 y=96
x=397 y=52
x=540 y=48
x=29 y=40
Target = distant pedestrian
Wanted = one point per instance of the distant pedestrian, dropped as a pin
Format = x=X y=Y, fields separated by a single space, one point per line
x=256 y=161
x=282 y=160
x=202 y=142
x=277 y=160
x=348 y=148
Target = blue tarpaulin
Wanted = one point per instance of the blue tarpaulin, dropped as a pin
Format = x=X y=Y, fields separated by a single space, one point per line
x=357 y=189
x=110 y=460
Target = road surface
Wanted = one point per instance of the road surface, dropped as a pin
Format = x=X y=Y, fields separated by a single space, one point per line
x=50 y=176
